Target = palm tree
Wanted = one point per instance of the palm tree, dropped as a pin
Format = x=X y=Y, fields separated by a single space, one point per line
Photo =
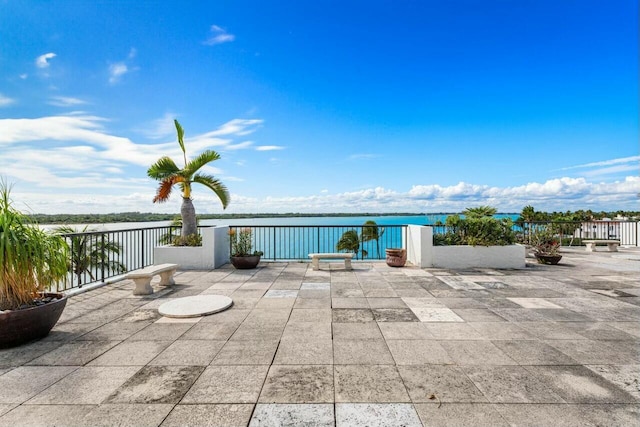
x=480 y=211
x=166 y=171
x=350 y=242
x=91 y=253
x=371 y=231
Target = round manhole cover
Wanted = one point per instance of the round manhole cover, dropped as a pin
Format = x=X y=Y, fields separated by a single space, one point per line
x=195 y=306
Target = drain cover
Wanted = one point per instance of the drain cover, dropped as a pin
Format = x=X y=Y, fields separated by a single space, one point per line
x=195 y=306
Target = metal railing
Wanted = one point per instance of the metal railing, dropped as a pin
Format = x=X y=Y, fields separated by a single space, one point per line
x=99 y=255
x=296 y=242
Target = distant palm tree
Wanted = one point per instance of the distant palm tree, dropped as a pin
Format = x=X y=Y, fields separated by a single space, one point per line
x=91 y=253
x=371 y=231
x=166 y=171
x=350 y=242
x=480 y=211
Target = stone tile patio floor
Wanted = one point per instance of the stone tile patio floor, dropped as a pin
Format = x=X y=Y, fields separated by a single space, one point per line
x=376 y=346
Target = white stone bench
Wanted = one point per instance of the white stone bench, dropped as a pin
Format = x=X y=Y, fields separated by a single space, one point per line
x=315 y=259
x=142 y=277
x=612 y=245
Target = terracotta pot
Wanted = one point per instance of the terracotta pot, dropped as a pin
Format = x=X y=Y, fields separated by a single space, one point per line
x=548 y=259
x=20 y=326
x=396 y=257
x=245 y=262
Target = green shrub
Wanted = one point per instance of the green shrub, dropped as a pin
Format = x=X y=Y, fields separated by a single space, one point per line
x=476 y=230
x=190 y=240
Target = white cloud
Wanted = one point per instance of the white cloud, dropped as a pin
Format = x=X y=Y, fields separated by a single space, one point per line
x=5 y=101
x=132 y=53
x=269 y=148
x=632 y=159
x=160 y=128
x=42 y=61
x=116 y=71
x=23 y=76
x=65 y=101
x=218 y=35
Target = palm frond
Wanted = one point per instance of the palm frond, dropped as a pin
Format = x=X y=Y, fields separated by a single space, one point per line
x=163 y=168
x=201 y=160
x=164 y=191
x=180 y=135
x=216 y=186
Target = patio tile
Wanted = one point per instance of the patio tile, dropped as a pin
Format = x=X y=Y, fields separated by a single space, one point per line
x=477 y=315
x=231 y=315
x=627 y=377
x=25 y=353
x=534 y=303
x=550 y=330
x=131 y=353
x=386 y=303
x=211 y=415
x=293 y=415
x=307 y=352
x=578 y=384
x=314 y=293
x=353 y=302
x=353 y=292
x=452 y=331
x=591 y=352
x=418 y=352
x=251 y=332
x=380 y=292
x=227 y=384
x=394 y=315
x=464 y=303
x=527 y=352
x=21 y=384
x=161 y=332
x=501 y=331
x=298 y=384
x=423 y=303
x=281 y=293
x=426 y=314
x=315 y=286
x=405 y=331
x=361 y=352
x=311 y=315
x=312 y=303
x=448 y=383
x=564 y=415
x=257 y=352
x=460 y=415
x=510 y=384
x=210 y=331
x=356 y=331
x=86 y=385
x=75 y=353
x=376 y=415
x=306 y=331
x=46 y=415
x=348 y=315
x=189 y=352
x=476 y=353
x=156 y=384
x=371 y=383
x=275 y=303
x=520 y=314
x=127 y=414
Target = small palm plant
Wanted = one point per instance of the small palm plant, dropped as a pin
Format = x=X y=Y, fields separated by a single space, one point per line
x=31 y=260
x=91 y=253
x=169 y=174
x=350 y=242
x=371 y=231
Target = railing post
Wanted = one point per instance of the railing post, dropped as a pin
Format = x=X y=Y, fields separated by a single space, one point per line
x=274 y=244
x=142 y=247
x=103 y=256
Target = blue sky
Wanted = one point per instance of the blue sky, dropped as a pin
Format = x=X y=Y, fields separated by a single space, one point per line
x=326 y=106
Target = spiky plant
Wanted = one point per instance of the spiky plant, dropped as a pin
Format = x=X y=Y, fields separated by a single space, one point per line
x=31 y=260
x=169 y=174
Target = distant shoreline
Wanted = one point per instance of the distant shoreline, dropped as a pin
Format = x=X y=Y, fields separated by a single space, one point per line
x=150 y=217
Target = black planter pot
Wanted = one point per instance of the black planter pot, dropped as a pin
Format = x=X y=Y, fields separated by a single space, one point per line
x=245 y=262
x=20 y=326
x=548 y=259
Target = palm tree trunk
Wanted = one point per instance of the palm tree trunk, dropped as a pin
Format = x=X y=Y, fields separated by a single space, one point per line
x=188 y=213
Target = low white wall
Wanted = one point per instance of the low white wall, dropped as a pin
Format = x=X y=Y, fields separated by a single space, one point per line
x=422 y=253
x=213 y=253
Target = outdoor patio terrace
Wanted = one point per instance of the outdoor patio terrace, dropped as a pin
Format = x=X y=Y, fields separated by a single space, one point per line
x=543 y=346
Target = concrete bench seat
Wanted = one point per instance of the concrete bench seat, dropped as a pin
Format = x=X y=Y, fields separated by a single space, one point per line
x=612 y=245
x=142 y=277
x=315 y=259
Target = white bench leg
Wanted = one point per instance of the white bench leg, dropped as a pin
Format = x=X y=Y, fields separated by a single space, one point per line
x=591 y=247
x=143 y=286
x=347 y=263
x=166 y=278
x=613 y=247
x=315 y=263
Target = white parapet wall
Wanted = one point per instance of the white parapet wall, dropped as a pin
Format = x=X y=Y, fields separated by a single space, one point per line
x=422 y=253
x=213 y=253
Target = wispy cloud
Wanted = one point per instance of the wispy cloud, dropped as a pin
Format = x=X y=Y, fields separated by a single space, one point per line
x=65 y=101
x=269 y=148
x=42 y=61
x=160 y=128
x=612 y=168
x=116 y=71
x=218 y=35
x=5 y=101
x=606 y=163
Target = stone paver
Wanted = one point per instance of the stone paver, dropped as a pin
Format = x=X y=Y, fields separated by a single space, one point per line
x=547 y=345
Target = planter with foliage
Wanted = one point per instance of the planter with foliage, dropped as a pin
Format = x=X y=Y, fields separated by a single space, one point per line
x=242 y=256
x=31 y=262
x=546 y=246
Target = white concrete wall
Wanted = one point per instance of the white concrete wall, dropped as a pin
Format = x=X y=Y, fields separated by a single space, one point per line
x=213 y=253
x=422 y=253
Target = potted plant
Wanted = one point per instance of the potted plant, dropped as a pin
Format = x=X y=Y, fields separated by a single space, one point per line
x=241 y=244
x=31 y=262
x=546 y=246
